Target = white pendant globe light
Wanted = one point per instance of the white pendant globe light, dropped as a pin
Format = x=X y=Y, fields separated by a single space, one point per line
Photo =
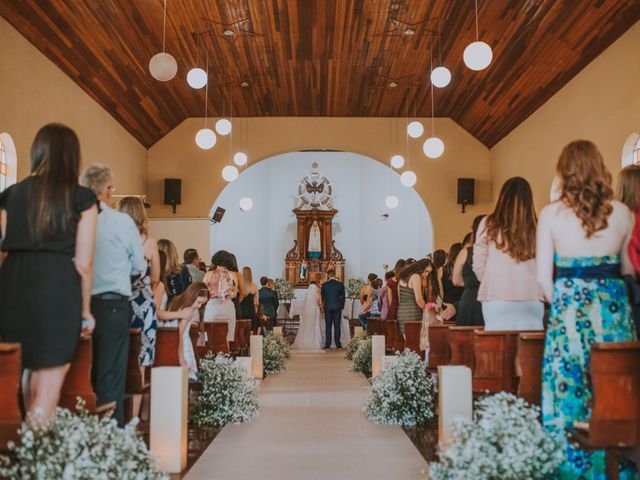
x=240 y=159
x=391 y=201
x=163 y=66
x=397 y=161
x=415 y=129
x=197 y=78
x=477 y=56
x=440 y=77
x=230 y=173
x=246 y=204
x=408 y=179
x=433 y=147
x=206 y=138
x=223 y=126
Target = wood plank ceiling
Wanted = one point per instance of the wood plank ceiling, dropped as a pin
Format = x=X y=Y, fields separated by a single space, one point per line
x=321 y=57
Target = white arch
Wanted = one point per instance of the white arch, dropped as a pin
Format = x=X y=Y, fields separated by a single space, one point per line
x=630 y=145
x=12 y=157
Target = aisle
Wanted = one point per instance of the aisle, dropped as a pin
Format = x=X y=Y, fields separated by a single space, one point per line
x=311 y=427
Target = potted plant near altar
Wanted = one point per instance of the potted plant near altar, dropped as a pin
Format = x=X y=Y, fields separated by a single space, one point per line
x=285 y=292
x=352 y=288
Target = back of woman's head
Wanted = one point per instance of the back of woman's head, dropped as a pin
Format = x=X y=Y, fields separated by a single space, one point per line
x=371 y=277
x=222 y=258
x=247 y=275
x=475 y=225
x=189 y=296
x=439 y=258
x=454 y=251
x=389 y=274
x=55 y=164
x=134 y=207
x=173 y=261
x=512 y=225
x=400 y=264
x=629 y=186
x=163 y=266
x=586 y=185
x=418 y=266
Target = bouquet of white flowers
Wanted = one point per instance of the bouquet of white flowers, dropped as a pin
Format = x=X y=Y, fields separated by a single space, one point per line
x=227 y=396
x=353 y=287
x=284 y=289
x=275 y=353
x=362 y=357
x=352 y=346
x=403 y=394
x=79 y=446
x=504 y=440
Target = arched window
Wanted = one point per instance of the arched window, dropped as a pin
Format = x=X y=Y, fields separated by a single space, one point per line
x=631 y=150
x=4 y=167
x=8 y=161
x=636 y=153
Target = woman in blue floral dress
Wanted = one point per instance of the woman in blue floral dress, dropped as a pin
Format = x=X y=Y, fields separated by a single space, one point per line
x=583 y=236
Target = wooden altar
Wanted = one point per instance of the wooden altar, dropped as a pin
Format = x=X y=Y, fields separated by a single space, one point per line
x=329 y=257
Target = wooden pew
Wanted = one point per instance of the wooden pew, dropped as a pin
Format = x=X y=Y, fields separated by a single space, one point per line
x=216 y=338
x=615 y=418
x=529 y=353
x=10 y=374
x=494 y=355
x=461 y=345
x=374 y=326
x=412 y=335
x=243 y=335
x=438 y=345
x=167 y=344
x=136 y=383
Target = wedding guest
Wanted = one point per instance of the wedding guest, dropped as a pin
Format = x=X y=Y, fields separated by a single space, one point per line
x=450 y=292
x=364 y=290
x=118 y=257
x=584 y=237
x=166 y=318
x=439 y=258
x=178 y=276
x=504 y=261
x=370 y=306
x=250 y=302
x=192 y=262
x=268 y=298
x=393 y=288
x=386 y=295
x=411 y=300
x=221 y=290
x=239 y=282
x=629 y=192
x=49 y=226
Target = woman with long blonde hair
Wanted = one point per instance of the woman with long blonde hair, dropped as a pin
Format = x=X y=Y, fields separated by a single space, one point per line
x=504 y=261
x=583 y=237
x=177 y=275
x=250 y=301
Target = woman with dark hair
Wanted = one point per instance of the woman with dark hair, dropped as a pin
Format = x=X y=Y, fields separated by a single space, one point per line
x=49 y=227
x=583 y=236
x=386 y=295
x=450 y=292
x=394 y=295
x=369 y=294
x=504 y=261
x=411 y=300
x=222 y=290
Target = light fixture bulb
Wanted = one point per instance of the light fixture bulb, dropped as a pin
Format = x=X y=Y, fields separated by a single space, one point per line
x=223 y=126
x=206 y=138
x=240 y=159
x=246 y=204
x=391 y=201
x=197 y=78
x=477 y=56
x=163 y=66
x=433 y=147
x=415 y=129
x=408 y=179
x=230 y=173
x=440 y=77
x=397 y=161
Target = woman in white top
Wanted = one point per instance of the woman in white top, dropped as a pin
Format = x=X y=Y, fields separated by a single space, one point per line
x=222 y=289
x=504 y=261
x=309 y=336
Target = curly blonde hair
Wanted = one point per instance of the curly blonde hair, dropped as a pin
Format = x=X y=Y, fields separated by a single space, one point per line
x=586 y=185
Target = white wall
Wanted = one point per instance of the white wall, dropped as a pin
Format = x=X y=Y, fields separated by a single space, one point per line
x=261 y=237
x=184 y=233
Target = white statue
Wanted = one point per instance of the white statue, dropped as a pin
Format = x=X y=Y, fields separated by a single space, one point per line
x=315 y=247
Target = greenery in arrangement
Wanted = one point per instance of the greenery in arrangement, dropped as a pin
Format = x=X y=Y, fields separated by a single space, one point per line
x=227 y=396
x=79 y=446
x=402 y=394
x=504 y=440
x=353 y=287
x=284 y=289
x=352 y=346
x=275 y=353
x=362 y=357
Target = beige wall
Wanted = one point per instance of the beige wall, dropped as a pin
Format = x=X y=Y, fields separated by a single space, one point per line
x=601 y=104
x=34 y=92
x=176 y=155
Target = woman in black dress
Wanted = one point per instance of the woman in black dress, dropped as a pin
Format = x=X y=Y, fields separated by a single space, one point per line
x=49 y=227
x=250 y=302
x=450 y=292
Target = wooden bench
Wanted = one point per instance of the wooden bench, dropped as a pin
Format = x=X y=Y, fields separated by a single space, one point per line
x=10 y=374
x=438 y=345
x=461 y=345
x=167 y=345
x=615 y=418
x=412 y=335
x=529 y=353
x=374 y=326
x=216 y=342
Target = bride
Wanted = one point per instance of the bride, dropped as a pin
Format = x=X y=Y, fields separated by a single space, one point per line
x=309 y=337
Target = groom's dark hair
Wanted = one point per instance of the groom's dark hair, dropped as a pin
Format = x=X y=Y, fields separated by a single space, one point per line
x=331 y=272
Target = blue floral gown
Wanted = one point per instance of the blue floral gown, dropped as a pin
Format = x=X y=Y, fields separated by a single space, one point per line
x=590 y=305
x=144 y=316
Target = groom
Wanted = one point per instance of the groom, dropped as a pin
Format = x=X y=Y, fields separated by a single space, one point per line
x=333 y=302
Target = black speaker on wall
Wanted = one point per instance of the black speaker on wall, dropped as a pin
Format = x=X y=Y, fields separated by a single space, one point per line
x=172 y=192
x=217 y=215
x=466 y=192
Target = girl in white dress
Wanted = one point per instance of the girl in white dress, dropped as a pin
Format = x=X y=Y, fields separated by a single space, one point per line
x=309 y=337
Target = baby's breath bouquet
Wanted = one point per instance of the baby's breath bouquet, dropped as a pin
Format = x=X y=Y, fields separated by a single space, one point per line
x=275 y=353
x=504 y=440
x=403 y=394
x=79 y=446
x=284 y=289
x=352 y=346
x=353 y=287
x=227 y=396
x=362 y=357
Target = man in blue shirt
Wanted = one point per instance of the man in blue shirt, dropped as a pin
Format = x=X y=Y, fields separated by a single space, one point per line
x=118 y=256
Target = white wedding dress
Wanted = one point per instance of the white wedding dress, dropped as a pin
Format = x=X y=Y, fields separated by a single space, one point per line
x=309 y=337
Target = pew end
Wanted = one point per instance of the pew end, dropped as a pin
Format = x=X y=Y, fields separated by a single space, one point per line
x=10 y=412
x=529 y=353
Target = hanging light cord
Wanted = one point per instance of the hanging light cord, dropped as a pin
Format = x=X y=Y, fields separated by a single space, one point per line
x=433 y=121
x=164 y=25
x=477 y=35
x=206 y=93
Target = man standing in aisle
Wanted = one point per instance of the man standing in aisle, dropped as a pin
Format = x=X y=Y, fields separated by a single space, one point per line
x=269 y=300
x=333 y=297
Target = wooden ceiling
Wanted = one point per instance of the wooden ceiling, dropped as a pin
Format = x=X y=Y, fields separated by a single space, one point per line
x=321 y=57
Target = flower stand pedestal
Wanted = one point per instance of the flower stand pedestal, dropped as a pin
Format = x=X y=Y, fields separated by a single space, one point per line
x=255 y=350
x=455 y=399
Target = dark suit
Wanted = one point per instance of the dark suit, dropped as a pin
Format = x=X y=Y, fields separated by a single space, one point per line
x=269 y=300
x=333 y=297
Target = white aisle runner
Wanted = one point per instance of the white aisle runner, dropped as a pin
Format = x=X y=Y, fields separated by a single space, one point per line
x=311 y=427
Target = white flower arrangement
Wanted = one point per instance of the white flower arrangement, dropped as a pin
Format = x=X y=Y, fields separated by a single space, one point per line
x=402 y=394
x=79 y=446
x=275 y=353
x=284 y=289
x=353 y=287
x=362 y=357
x=227 y=396
x=504 y=440
x=352 y=346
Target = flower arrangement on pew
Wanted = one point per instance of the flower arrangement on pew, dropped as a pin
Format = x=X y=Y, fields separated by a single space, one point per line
x=227 y=396
x=504 y=440
x=79 y=446
x=362 y=357
x=352 y=346
x=402 y=394
x=284 y=289
x=353 y=287
x=275 y=353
